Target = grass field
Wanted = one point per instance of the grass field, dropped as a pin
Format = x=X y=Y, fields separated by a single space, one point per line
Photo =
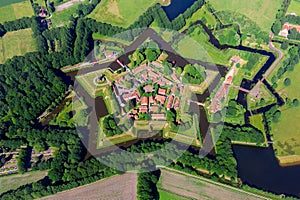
x=196 y=46
x=12 y=182
x=60 y=18
x=287 y=131
x=180 y=186
x=294 y=7
x=201 y=14
x=12 y=10
x=165 y=195
x=116 y=187
x=265 y=98
x=121 y=12
x=16 y=43
x=261 y=12
x=257 y=122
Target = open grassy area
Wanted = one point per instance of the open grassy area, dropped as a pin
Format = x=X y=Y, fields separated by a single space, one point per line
x=73 y=114
x=294 y=7
x=265 y=98
x=12 y=10
x=181 y=185
x=12 y=182
x=257 y=122
x=97 y=36
x=202 y=14
x=165 y=195
x=197 y=46
x=261 y=12
x=16 y=43
x=121 y=12
x=61 y=18
x=287 y=131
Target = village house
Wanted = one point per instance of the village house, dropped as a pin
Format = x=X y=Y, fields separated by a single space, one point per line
x=286 y=28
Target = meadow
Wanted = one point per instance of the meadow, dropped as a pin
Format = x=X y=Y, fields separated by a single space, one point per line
x=286 y=132
x=257 y=122
x=12 y=182
x=16 y=43
x=263 y=13
x=16 y=9
x=294 y=7
x=121 y=12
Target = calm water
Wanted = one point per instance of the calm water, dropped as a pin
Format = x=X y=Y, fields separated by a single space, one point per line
x=177 y=7
x=258 y=167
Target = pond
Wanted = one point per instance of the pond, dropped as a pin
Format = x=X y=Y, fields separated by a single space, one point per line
x=177 y=7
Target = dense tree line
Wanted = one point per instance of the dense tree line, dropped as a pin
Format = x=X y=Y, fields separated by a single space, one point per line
x=86 y=172
x=224 y=162
x=24 y=160
x=146 y=185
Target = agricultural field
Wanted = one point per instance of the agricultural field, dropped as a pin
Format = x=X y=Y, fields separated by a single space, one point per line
x=16 y=43
x=16 y=9
x=12 y=182
x=121 y=12
x=288 y=142
x=73 y=114
x=117 y=187
x=261 y=12
x=294 y=7
x=181 y=186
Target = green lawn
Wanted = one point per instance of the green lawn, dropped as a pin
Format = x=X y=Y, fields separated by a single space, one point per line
x=287 y=131
x=257 y=122
x=197 y=46
x=294 y=7
x=265 y=98
x=97 y=36
x=9 y=2
x=261 y=12
x=16 y=43
x=13 y=11
x=12 y=182
x=201 y=14
x=165 y=195
x=121 y=12
x=60 y=18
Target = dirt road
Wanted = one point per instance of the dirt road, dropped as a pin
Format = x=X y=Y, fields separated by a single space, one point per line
x=67 y=5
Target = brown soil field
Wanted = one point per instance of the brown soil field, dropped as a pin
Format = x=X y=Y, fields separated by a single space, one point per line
x=120 y=187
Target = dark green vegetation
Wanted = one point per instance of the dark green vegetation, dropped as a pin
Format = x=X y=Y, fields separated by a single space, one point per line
x=146 y=186
x=194 y=74
x=32 y=83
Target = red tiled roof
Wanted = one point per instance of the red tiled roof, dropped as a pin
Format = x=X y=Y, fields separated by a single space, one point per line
x=162 y=91
x=170 y=102
x=152 y=100
x=148 y=88
x=144 y=101
x=160 y=98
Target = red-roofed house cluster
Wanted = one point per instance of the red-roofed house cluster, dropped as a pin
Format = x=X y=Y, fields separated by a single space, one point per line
x=161 y=93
